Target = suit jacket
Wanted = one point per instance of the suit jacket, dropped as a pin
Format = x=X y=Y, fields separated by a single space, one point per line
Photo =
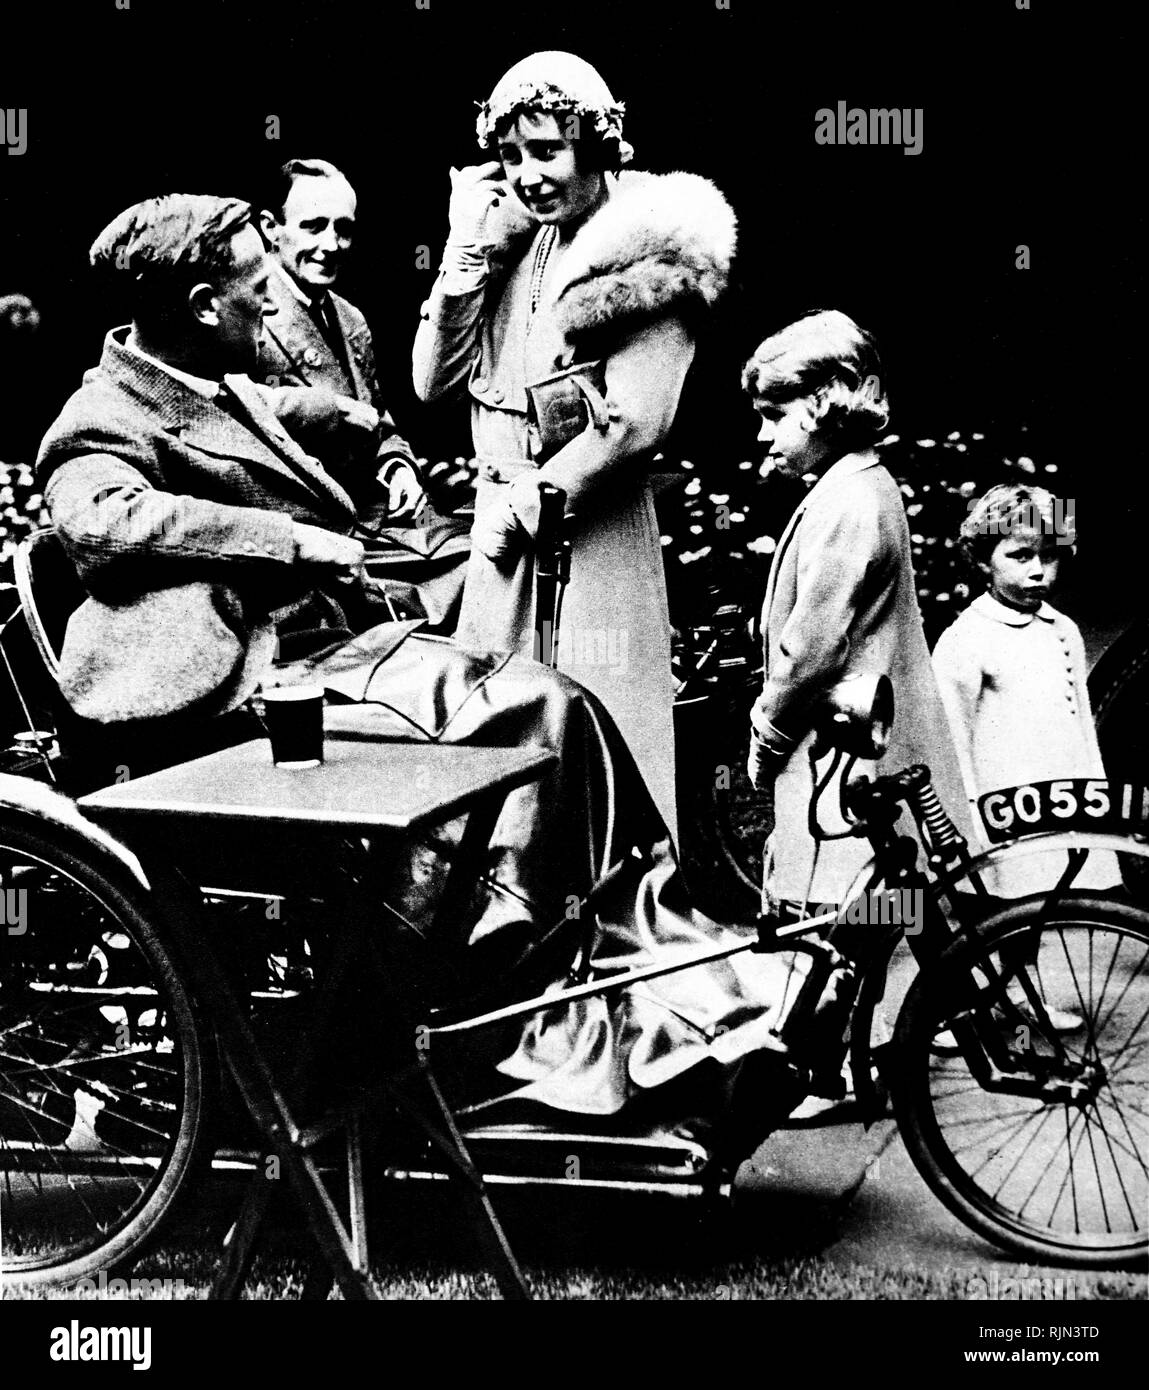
x=177 y=513
x=294 y=352
x=841 y=601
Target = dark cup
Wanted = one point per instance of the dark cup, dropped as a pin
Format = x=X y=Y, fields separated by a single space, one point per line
x=293 y=716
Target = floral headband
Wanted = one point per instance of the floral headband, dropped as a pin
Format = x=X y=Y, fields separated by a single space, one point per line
x=605 y=120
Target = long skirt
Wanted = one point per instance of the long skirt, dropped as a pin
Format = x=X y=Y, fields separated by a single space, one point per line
x=614 y=633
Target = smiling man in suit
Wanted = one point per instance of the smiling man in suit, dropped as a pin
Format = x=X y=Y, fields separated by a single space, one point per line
x=314 y=337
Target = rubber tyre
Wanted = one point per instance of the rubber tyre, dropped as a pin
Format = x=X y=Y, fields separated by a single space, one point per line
x=916 y=1027
x=188 y=1149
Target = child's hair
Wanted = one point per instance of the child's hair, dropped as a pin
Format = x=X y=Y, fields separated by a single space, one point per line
x=1007 y=509
x=824 y=356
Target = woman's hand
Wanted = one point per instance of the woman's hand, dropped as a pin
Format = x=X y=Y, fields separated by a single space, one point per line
x=765 y=761
x=762 y=767
x=498 y=535
x=474 y=191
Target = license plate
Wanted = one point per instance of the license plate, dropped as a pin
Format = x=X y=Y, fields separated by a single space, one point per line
x=1071 y=803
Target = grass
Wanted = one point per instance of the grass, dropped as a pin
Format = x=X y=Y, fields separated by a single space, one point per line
x=592 y=1247
x=756 y=1282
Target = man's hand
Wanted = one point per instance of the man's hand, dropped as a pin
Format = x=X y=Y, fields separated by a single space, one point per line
x=328 y=550
x=474 y=191
x=358 y=413
x=405 y=494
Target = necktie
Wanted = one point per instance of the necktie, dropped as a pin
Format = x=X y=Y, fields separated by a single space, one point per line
x=325 y=319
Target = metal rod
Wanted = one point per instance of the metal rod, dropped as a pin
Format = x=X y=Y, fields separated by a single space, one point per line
x=630 y=977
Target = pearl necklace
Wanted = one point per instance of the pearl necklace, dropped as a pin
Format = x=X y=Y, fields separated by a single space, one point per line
x=542 y=258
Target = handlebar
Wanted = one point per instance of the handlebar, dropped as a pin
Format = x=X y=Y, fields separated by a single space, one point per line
x=872 y=803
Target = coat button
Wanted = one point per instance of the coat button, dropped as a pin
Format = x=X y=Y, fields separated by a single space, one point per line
x=480 y=384
x=497 y=396
x=313 y=358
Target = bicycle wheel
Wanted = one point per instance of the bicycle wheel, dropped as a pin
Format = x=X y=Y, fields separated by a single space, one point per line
x=719 y=813
x=1055 y=1170
x=102 y=1066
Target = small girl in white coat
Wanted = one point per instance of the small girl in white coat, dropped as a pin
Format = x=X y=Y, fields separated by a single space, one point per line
x=1012 y=673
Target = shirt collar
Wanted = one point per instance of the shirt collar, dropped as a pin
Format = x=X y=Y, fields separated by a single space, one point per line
x=304 y=299
x=201 y=385
x=989 y=607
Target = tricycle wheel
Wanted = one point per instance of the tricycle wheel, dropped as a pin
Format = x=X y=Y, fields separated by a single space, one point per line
x=102 y=1064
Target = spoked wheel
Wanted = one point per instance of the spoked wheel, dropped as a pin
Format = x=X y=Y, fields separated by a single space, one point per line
x=719 y=815
x=101 y=1067
x=1054 y=1168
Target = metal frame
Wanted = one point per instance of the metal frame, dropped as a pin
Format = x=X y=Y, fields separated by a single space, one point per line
x=22 y=573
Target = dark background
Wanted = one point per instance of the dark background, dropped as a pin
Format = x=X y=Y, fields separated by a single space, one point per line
x=175 y=96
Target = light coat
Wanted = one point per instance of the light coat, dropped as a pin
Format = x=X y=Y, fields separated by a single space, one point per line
x=841 y=601
x=1014 y=687
x=622 y=296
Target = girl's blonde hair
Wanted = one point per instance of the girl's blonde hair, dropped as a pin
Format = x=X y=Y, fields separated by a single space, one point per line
x=1010 y=508
x=826 y=357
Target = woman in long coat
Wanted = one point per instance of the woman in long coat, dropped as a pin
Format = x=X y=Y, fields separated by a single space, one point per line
x=566 y=306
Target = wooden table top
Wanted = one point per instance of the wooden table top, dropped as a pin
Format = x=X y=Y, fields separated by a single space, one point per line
x=365 y=784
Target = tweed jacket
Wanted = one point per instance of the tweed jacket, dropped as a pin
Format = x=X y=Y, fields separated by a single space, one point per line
x=841 y=601
x=623 y=297
x=177 y=513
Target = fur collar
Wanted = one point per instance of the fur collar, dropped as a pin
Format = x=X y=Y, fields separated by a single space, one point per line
x=659 y=242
